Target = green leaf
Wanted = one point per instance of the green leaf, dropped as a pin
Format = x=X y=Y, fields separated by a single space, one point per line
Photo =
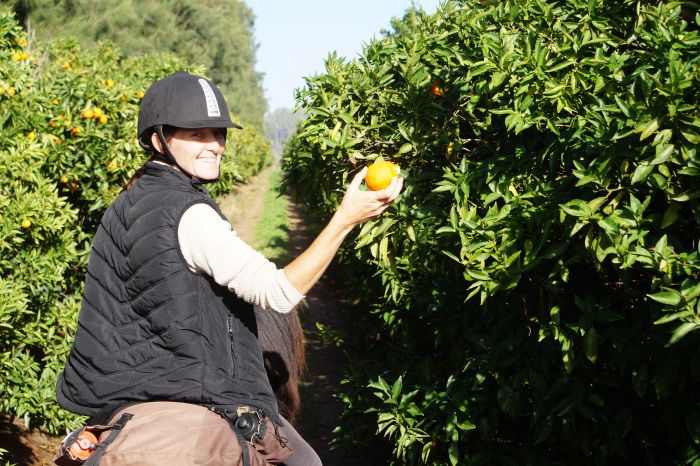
x=648 y=129
x=672 y=298
x=478 y=275
x=642 y=172
x=496 y=79
x=405 y=148
x=670 y=216
x=682 y=331
x=576 y=208
x=397 y=388
x=590 y=345
x=663 y=155
x=688 y=195
x=453 y=452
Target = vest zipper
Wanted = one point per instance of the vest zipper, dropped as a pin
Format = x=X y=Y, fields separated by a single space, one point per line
x=231 y=342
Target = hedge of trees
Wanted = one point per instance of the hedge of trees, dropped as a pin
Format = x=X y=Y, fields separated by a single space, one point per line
x=216 y=34
x=68 y=122
x=532 y=299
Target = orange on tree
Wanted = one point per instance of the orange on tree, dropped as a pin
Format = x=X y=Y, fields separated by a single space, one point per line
x=88 y=113
x=103 y=119
x=75 y=130
x=380 y=174
x=436 y=90
x=26 y=223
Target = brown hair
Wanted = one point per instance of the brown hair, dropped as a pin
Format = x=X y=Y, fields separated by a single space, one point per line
x=168 y=132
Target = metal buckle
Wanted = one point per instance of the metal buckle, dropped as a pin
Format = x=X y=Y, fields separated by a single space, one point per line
x=257 y=434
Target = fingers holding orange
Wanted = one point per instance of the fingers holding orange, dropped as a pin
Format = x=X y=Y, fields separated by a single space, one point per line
x=380 y=174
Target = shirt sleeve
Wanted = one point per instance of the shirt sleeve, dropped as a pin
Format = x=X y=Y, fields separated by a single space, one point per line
x=209 y=245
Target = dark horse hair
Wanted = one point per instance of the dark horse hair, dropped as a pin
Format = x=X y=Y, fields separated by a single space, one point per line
x=281 y=339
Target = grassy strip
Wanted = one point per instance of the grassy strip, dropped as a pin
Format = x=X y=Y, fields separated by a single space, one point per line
x=272 y=230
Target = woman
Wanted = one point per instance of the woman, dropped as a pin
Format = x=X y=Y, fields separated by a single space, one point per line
x=166 y=330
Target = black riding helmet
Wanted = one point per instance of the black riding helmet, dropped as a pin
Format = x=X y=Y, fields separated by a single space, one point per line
x=181 y=100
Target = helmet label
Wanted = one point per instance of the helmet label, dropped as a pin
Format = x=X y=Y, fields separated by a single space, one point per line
x=210 y=97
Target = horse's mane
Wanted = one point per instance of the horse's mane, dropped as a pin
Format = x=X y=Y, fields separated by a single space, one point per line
x=282 y=341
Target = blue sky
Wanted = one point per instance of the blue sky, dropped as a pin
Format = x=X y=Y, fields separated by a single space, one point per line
x=294 y=38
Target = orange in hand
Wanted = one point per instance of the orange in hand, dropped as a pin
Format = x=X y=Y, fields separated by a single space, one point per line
x=380 y=174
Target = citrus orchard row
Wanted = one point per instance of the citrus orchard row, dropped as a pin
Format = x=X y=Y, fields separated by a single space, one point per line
x=542 y=266
x=68 y=119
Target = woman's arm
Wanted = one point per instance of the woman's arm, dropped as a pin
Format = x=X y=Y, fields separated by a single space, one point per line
x=356 y=207
x=210 y=246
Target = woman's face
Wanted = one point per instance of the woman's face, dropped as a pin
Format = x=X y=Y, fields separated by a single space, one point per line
x=197 y=151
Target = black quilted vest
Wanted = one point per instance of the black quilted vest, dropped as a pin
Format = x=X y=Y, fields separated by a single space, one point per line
x=150 y=329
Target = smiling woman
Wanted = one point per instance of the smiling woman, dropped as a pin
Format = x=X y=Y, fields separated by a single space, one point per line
x=197 y=152
x=167 y=332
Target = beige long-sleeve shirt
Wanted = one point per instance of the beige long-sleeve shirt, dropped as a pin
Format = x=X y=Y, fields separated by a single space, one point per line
x=209 y=245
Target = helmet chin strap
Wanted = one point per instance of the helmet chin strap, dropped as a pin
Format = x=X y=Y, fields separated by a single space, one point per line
x=169 y=158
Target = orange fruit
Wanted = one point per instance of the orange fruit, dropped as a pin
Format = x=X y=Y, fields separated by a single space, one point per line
x=32 y=135
x=380 y=174
x=26 y=223
x=75 y=130
x=103 y=119
x=88 y=113
x=436 y=90
x=84 y=445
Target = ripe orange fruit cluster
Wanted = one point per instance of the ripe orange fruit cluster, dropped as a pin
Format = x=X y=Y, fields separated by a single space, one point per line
x=20 y=56
x=95 y=113
x=380 y=174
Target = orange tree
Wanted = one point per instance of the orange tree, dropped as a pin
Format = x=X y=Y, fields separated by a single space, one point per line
x=533 y=296
x=68 y=122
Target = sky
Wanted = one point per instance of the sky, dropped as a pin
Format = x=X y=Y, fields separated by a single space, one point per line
x=294 y=38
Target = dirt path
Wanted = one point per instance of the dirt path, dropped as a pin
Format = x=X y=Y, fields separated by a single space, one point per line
x=244 y=207
x=321 y=409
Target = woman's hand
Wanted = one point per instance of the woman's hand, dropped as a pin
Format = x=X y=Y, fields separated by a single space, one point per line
x=356 y=207
x=359 y=206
